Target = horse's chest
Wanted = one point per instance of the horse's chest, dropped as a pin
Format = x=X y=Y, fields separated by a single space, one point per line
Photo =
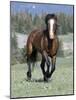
x=50 y=46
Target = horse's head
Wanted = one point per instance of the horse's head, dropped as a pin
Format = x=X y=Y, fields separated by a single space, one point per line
x=51 y=22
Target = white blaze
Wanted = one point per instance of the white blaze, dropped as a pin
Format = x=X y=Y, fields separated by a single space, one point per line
x=51 y=32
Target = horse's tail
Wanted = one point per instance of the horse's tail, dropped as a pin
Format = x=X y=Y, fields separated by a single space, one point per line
x=32 y=57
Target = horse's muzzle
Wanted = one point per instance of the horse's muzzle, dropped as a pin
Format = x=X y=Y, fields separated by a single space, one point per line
x=51 y=36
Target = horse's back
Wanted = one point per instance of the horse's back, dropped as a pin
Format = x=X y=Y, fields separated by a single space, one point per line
x=34 y=34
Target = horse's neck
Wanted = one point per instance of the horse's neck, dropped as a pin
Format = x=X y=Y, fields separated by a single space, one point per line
x=50 y=42
x=46 y=33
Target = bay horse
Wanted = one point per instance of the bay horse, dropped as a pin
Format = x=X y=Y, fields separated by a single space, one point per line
x=45 y=42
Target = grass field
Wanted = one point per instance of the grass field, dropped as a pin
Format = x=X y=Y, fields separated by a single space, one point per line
x=61 y=82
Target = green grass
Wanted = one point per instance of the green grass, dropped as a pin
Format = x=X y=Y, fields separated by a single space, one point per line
x=61 y=82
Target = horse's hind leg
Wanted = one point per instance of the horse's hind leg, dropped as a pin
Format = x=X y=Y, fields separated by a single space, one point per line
x=29 y=52
x=29 y=69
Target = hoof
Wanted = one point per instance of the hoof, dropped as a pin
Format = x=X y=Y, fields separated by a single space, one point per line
x=45 y=79
x=28 y=76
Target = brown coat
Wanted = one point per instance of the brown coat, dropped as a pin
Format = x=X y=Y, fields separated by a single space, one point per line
x=40 y=41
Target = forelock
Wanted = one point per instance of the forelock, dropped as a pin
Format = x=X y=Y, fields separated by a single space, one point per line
x=50 y=16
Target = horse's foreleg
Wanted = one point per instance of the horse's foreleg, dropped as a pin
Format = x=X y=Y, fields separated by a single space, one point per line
x=29 y=69
x=48 y=66
x=43 y=69
x=29 y=52
x=53 y=59
x=43 y=66
x=46 y=59
x=47 y=62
